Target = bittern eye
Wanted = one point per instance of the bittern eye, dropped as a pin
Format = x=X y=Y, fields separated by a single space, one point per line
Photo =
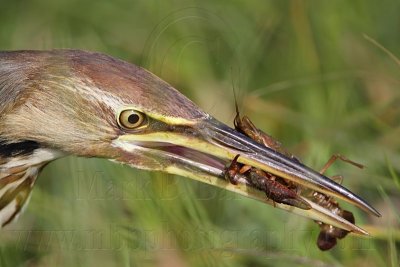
x=131 y=119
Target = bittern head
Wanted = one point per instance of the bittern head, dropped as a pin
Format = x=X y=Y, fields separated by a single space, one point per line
x=73 y=102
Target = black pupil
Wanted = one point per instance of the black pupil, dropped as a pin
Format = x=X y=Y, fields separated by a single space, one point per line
x=133 y=118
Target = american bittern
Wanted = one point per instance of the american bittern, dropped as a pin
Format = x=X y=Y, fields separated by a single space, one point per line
x=61 y=102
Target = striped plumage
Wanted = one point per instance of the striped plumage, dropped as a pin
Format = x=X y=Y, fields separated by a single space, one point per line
x=20 y=164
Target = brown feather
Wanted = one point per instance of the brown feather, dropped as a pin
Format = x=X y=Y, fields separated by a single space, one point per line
x=65 y=102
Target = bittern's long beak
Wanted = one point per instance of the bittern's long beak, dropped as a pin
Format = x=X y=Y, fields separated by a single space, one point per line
x=202 y=151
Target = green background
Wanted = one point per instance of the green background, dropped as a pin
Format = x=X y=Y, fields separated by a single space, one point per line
x=306 y=72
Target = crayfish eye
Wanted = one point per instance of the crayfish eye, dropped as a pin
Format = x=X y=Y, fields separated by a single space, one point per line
x=131 y=119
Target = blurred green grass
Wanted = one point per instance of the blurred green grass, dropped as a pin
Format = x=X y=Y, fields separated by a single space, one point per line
x=303 y=71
